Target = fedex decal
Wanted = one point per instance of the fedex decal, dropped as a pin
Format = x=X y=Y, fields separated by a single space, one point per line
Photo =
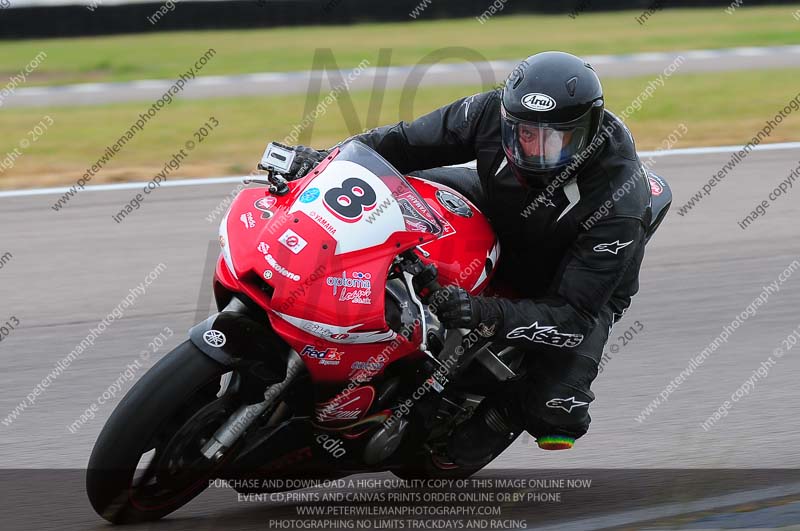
x=328 y=356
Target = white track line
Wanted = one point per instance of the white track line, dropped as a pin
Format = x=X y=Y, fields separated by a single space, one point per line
x=717 y=149
x=644 y=57
x=238 y=178
x=672 y=509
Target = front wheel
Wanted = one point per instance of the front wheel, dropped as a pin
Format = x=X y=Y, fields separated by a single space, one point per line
x=147 y=461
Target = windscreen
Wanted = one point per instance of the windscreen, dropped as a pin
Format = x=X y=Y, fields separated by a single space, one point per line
x=362 y=200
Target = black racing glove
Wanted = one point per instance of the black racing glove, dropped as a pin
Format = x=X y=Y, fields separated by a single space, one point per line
x=458 y=309
x=304 y=161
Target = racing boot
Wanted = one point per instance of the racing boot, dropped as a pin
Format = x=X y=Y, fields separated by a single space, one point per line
x=482 y=437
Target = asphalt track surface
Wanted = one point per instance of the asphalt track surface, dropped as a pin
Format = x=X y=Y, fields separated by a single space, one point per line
x=457 y=67
x=71 y=268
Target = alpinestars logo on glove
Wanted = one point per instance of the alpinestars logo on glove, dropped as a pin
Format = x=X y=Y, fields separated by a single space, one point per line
x=547 y=335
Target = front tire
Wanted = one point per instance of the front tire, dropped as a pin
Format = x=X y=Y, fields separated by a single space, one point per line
x=166 y=416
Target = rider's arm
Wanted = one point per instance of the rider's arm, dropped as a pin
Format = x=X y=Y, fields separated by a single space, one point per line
x=587 y=278
x=443 y=137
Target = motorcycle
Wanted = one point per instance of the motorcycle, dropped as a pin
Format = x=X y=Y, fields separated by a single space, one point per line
x=325 y=358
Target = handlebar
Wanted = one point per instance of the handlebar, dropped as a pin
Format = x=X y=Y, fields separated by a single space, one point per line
x=426 y=282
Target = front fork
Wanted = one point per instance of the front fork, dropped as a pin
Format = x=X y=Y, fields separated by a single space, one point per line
x=230 y=432
x=241 y=339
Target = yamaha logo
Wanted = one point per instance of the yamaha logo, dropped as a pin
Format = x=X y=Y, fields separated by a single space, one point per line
x=214 y=338
x=538 y=102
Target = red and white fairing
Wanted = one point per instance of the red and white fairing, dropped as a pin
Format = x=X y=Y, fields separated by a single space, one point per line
x=323 y=252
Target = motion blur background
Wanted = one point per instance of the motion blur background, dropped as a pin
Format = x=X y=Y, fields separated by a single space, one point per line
x=694 y=81
x=134 y=44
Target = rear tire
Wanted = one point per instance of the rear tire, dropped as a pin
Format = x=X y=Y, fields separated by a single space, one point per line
x=429 y=469
x=430 y=464
x=168 y=413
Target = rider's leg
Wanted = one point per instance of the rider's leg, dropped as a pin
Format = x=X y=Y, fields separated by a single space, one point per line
x=557 y=402
x=551 y=401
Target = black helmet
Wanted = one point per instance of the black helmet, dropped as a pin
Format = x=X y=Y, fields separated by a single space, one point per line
x=551 y=111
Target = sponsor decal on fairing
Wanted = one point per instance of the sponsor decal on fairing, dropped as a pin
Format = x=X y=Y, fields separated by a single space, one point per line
x=359 y=284
x=372 y=366
x=248 y=220
x=322 y=222
x=263 y=248
x=336 y=333
x=326 y=356
x=309 y=195
x=264 y=205
x=346 y=407
x=334 y=446
x=656 y=186
x=292 y=241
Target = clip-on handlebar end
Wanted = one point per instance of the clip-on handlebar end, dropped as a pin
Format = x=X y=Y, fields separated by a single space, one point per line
x=426 y=276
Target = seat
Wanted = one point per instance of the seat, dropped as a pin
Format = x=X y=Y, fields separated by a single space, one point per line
x=661 y=201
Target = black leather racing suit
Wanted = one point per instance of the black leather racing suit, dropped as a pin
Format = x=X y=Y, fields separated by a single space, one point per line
x=573 y=256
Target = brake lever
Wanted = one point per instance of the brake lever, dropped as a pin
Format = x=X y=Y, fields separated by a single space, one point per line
x=256 y=181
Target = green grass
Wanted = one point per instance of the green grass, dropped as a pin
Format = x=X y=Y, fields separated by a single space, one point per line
x=165 y=55
x=723 y=108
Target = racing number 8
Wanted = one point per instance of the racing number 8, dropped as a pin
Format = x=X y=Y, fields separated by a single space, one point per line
x=351 y=199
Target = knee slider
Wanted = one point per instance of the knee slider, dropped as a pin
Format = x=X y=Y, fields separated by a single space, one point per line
x=555 y=442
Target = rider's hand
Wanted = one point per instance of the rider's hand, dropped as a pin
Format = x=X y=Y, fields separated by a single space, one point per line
x=455 y=307
x=304 y=161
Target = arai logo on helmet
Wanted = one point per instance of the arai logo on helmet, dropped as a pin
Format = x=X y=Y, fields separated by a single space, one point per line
x=538 y=102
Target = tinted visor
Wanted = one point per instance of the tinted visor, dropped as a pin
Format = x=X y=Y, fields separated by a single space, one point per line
x=544 y=146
